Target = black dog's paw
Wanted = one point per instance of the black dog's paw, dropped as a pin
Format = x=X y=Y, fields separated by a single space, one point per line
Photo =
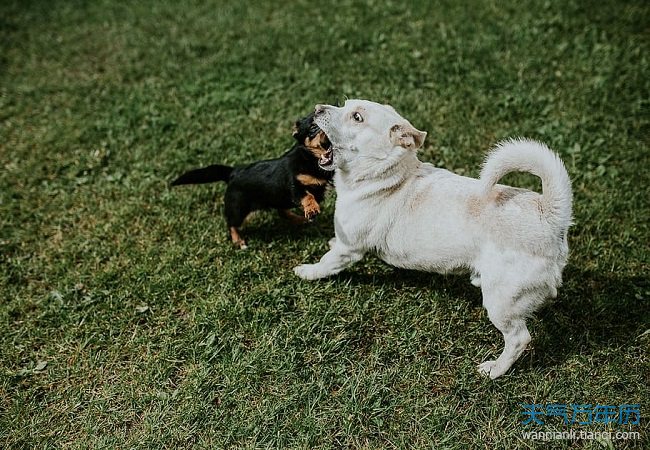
x=310 y=207
x=311 y=216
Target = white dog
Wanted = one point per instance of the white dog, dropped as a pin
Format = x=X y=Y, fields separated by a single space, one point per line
x=416 y=216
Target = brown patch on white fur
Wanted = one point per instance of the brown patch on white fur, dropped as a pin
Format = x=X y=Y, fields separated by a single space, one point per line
x=388 y=190
x=475 y=206
x=407 y=136
x=419 y=199
x=310 y=206
x=310 y=180
x=499 y=196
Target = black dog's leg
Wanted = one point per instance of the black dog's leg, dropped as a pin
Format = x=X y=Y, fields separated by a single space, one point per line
x=304 y=197
x=309 y=205
x=236 y=209
x=292 y=217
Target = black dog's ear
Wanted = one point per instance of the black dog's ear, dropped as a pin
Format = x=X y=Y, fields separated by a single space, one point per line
x=407 y=136
x=299 y=133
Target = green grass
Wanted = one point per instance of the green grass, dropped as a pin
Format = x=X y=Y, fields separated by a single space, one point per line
x=156 y=333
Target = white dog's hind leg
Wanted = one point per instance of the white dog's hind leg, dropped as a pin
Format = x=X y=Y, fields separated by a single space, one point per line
x=515 y=335
x=338 y=258
x=516 y=338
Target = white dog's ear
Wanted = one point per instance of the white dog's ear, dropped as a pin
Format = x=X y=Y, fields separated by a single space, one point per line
x=407 y=136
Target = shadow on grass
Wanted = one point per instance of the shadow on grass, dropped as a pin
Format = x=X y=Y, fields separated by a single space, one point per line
x=593 y=311
x=268 y=227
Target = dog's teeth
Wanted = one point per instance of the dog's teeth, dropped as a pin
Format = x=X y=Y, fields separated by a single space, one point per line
x=326 y=159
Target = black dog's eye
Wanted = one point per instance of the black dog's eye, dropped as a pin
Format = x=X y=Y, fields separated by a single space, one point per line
x=357 y=117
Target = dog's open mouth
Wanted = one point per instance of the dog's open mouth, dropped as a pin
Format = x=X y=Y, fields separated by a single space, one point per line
x=326 y=161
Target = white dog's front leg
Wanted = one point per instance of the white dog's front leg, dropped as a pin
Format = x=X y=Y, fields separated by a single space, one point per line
x=338 y=258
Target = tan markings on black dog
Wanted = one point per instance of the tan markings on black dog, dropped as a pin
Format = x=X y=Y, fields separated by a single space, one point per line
x=310 y=206
x=317 y=144
x=292 y=217
x=236 y=238
x=310 y=180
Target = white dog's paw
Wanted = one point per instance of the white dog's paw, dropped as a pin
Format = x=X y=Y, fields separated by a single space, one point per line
x=332 y=242
x=491 y=369
x=476 y=280
x=308 y=272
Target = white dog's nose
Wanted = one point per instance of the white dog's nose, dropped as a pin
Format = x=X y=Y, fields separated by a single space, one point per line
x=320 y=109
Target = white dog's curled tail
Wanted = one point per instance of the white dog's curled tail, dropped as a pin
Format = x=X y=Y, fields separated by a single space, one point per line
x=524 y=155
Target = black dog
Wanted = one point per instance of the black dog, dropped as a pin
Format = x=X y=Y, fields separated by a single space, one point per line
x=297 y=178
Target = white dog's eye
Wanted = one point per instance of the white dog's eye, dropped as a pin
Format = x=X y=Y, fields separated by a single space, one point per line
x=357 y=117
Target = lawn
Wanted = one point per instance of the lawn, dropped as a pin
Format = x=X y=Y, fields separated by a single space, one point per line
x=128 y=320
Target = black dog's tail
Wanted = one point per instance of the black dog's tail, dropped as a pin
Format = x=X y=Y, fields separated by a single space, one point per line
x=210 y=174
